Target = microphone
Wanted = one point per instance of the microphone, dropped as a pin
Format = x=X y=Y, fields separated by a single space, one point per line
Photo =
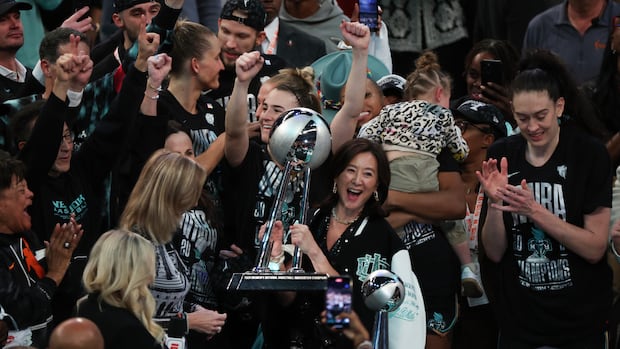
x=177 y=327
x=175 y=343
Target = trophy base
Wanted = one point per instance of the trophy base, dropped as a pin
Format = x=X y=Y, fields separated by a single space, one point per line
x=278 y=281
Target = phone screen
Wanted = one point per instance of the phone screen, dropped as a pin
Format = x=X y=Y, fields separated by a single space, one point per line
x=79 y=4
x=369 y=14
x=491 y=71
x=338 y=299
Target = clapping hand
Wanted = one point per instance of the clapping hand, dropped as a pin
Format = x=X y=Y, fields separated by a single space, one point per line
x=492 y=179
x=59 y=250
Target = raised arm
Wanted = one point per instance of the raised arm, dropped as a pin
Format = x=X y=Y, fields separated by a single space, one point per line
x=344 y=123
x=41 y=150
x=158 y=68
x=210 y=158
x=237 y=142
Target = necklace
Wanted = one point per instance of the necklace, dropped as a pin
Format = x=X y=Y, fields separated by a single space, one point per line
x=342 y=221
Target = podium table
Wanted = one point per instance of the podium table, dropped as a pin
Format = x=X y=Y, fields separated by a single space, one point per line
x=277 y=281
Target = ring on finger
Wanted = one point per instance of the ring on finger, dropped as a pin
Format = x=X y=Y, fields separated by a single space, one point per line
x=66 y=245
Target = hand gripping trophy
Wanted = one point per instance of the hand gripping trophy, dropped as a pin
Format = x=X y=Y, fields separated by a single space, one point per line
x=300 y=141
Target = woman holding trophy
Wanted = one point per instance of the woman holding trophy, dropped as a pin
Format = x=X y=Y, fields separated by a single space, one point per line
x=348 y=234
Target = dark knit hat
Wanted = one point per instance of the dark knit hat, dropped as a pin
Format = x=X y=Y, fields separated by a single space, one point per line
x=253 y=9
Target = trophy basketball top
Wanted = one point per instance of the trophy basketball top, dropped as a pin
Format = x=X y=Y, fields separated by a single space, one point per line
x=301 y=136
x=383 y=291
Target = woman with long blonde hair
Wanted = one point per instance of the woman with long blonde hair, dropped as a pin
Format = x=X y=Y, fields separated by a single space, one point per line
x=169 y=185
x=117 y=278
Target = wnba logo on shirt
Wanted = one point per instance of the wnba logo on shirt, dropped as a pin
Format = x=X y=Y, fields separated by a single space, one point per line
x=367 y=264
x=550 y=196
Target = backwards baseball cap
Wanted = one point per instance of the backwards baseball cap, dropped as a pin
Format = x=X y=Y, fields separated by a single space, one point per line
x=253 y=9
x=478 y=112
x=331 y=73
x=7 y=6
x=120 y=5
x=392 y=85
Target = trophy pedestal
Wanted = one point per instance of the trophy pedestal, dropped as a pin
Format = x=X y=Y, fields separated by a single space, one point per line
x=278 y=281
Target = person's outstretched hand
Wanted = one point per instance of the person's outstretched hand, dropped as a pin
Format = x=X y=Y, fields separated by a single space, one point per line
x=492 y=179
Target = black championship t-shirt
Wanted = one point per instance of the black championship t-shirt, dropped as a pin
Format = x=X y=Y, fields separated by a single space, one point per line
x=547 y=294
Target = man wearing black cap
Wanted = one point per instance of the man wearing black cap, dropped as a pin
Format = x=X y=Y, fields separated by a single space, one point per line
x=242 y=29
x=13 y=74
x=161 y=17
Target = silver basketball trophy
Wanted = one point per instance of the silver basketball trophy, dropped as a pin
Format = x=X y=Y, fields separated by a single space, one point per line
x=383 y=292
x=300 y=141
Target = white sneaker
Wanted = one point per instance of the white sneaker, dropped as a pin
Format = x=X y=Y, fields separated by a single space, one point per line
x=471 y=285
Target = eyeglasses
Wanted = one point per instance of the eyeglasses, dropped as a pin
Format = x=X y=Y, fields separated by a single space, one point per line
x=463 y=125
x=67 y=138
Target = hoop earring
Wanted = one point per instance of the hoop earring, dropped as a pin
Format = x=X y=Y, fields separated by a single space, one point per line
x=334 y=188
x=376 y=195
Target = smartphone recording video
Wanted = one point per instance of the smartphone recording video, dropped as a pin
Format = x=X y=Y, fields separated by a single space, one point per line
x=369 y=14
x=491 y=71
x=338 y=299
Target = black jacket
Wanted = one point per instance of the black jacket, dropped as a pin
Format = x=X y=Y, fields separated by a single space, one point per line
x=120 y=328
x=25 y=292
x=298 y=48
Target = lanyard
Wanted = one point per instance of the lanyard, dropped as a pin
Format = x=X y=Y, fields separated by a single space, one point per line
x=473 y=220
x=272 y=43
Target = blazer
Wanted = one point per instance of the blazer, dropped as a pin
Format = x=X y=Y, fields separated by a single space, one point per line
x=297 y=48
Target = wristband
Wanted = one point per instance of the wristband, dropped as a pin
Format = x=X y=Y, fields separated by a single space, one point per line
x=158 y=89
x=274 y=266
x=278 y=259
x=365 y=345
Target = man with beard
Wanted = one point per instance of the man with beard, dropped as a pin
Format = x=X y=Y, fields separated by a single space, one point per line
x=160 y=18
x=241 y=29
x=13 y=74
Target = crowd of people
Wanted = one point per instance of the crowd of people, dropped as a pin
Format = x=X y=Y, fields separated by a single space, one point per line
x=490 y=198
